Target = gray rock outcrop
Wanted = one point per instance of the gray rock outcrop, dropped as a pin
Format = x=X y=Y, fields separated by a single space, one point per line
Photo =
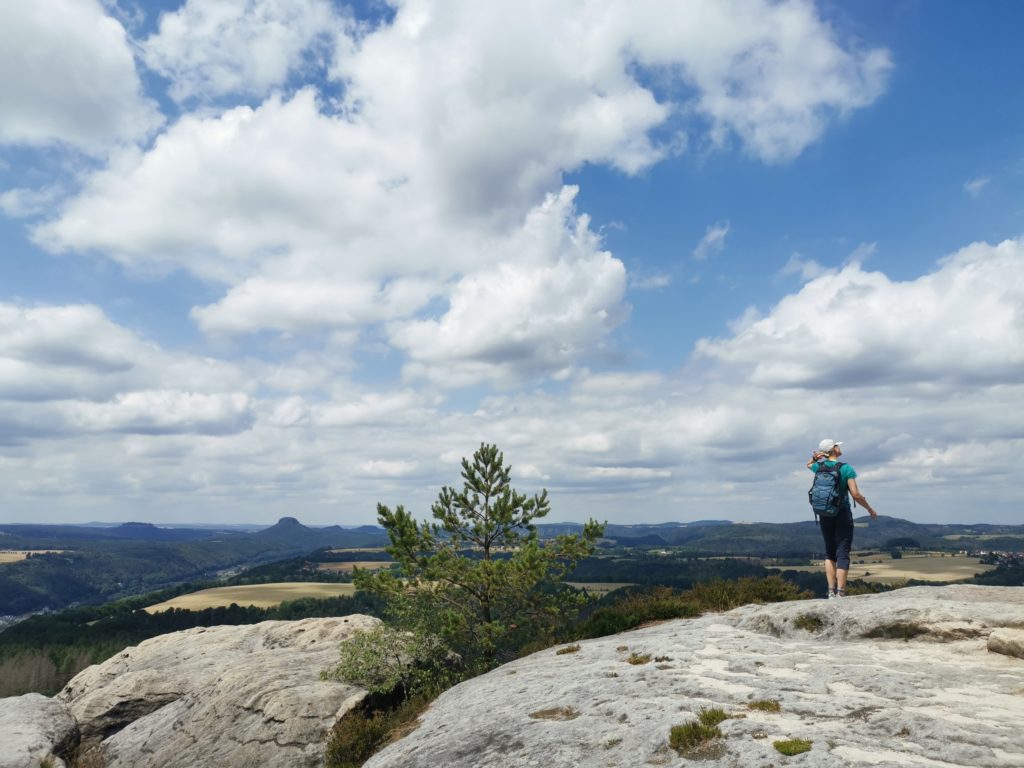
x=35 y=730
x=217 y=696
x=1007 y=641
x=898 y=679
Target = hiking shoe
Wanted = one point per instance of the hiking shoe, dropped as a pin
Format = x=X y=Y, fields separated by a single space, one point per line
x=840 y=593
x=832 y=594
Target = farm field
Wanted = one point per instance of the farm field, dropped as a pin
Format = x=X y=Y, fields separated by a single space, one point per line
x=368 y=565
x=598 y=588
x=14 y=555
x=882 y=568
x=259 y=595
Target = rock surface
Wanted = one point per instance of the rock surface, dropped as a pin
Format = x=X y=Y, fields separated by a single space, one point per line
x=1008 y=641
x=34 y=729
x=898 y=679
x=217 y=696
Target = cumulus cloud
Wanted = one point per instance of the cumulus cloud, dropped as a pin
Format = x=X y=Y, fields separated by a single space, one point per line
x=66 y=369
x=210 y=48
x=858 y=328
x=67 y=75
x=157 y=412
x=421 y=190
x=426 y=207
x=22 y=202
x=555 y=297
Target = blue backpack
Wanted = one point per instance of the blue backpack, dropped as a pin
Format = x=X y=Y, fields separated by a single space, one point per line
x=825 y=496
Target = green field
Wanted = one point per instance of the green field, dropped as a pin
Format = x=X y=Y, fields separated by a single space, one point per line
x=259 y=595
x=925 y=566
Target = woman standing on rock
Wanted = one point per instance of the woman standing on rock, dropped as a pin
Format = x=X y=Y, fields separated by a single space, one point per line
x=838 y=530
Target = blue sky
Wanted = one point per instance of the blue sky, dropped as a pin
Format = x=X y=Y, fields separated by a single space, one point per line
x=267 y=257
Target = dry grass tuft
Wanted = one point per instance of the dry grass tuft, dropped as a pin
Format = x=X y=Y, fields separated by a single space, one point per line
x=555 y=713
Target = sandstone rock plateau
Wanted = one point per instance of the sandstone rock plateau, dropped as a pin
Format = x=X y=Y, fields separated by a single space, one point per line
x=906 y=678
x=218 y=696
x=925 y=676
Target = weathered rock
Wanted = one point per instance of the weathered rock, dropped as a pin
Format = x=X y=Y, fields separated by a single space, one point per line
x=34 y=729
x=217 y=696
x=843 y=675
x=1007 y=641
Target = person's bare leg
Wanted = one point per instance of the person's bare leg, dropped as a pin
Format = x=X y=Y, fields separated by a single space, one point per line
x=830 y=575
x=841 y=578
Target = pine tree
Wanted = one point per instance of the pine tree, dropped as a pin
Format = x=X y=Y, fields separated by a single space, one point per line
x=478 y=576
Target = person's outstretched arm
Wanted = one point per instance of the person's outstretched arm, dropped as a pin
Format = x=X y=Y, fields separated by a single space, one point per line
x=859 y=497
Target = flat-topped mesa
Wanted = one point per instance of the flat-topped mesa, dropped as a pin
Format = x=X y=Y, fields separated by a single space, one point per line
x=901 y=678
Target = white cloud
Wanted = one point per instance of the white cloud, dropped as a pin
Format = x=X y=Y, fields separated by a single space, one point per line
x=857 y=328
x=418 y=191
x=554 y=297
x=808 y=269
x=385 y=468
x=943 y=407
x=67 y=75
x=163 y=412
x=713 y=241
x=974 y=187
x=69 y=369
x=209 y=48
x=649 y=282
x=22 y=202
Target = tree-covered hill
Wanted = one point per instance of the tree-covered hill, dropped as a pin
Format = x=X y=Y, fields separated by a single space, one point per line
x=99 y=565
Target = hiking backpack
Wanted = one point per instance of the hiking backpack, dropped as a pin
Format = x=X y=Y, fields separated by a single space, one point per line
x=825 y=497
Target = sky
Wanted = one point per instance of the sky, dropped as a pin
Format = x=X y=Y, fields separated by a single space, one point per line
x=297 y=257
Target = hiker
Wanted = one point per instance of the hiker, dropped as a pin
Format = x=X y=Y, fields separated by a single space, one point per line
x=837 y=527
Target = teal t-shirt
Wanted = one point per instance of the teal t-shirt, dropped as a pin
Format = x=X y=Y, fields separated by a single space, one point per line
x=846 y=472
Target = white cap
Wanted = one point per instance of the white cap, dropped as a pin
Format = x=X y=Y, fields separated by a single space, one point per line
x=827 y=445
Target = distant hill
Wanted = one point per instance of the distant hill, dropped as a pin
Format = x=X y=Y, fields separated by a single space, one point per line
x=100 y=564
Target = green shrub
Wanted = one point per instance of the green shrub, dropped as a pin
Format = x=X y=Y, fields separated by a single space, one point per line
x=719 y=595
x=711 y=716
x=639 y=658
x=692 y=736
x=635 y=608
x=359 y=734
x=574 y=648
x=765 y=705
x=792 y=746
x=661 y=603
x=386 y=660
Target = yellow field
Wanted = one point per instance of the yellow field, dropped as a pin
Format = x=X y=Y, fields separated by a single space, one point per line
x=356 y=549
x=923 y=567
x=14 y=555
x=259 y=595
x=366 y=565
x=598 y=588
